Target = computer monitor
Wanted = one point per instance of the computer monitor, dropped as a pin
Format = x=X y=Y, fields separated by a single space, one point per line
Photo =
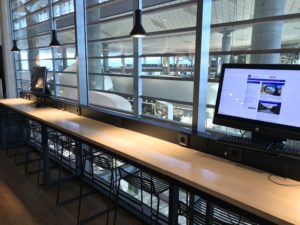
x=38 y=81
x=264 y=99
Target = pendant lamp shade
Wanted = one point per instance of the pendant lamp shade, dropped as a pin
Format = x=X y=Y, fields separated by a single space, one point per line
x=138 y=29
x=15 y=47
x=54 y=42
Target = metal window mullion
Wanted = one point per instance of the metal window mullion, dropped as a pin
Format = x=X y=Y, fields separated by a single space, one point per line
x=33 y=37
x=256 y=51
x=59 y=2
x=137 y=67
x=252 y=21
x=114 y=39
x=80 y=39
x=167 y=100
x=110 y=19
x=169 y=6
x=31 y=26
x=30 y=14
x=201 y=65
x=65 y=85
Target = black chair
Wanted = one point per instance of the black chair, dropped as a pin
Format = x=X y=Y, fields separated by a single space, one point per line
x=106 y=163
x=143 y=181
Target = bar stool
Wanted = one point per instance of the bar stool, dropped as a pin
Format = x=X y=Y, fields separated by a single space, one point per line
x=203 y=212
x=27 y=135
x=68 y=153
x=33 y=140
x=13 y=129
x=195 y=214
x=144 y=182
x=106 y=163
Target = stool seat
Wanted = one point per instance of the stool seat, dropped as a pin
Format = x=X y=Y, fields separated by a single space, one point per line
x=204 y=212
x=67 y=153
x=102 y=160
x=144 y=181
x=197 y=212
x=107 y=163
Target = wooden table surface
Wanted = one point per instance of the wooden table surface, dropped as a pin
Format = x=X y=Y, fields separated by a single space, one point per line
x=239 y=185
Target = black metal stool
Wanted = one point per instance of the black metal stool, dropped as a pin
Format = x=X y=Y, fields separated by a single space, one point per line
x=144 y=182
x=33 y=140
x=106 y=163
x=203 y=212
x=195 y=214
x=12 y=131
x=67 y=153
x=24 y=133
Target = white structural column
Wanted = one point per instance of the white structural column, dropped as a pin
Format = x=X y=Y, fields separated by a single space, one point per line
x=8 y=64
x=226 y=45
x=267 y=35
x=81 y=52
x=201 y=64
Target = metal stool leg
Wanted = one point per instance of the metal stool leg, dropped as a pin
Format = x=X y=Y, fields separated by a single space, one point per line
x=80 y=190
x=157 y=210
x=59 y=176
x=117 y=201
x=40 y=167
x=110 y=196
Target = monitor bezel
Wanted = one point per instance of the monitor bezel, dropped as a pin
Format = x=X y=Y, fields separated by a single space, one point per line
x=39 y=91
x=255 y=126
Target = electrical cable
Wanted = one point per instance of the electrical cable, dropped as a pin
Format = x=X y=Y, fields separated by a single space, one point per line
x=270 y=178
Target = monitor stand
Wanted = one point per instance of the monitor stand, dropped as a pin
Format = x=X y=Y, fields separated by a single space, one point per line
x=40 y=101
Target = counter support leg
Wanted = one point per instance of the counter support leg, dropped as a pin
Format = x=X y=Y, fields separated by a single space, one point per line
x=173 y=204
x=46 y=170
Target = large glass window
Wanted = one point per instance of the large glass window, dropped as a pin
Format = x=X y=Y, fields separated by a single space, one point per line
x=168 y=58
x=252 y=31
x=255 y=31
x=110 y=55
x=32 y=26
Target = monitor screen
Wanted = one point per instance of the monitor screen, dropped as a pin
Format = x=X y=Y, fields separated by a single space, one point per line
x=38 y=80
x=261 y=98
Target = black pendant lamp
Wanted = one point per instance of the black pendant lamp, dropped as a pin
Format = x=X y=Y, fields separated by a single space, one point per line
x=138 y=29
x=54 y=42
x=15 y=47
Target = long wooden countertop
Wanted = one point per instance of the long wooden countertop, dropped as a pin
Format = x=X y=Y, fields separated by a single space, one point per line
x=239 y=185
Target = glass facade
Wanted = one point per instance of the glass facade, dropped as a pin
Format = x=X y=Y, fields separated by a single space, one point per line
x=168 y=58
x=110 y=55
x=151 y=78
x=256 y=31
x=32 y=25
